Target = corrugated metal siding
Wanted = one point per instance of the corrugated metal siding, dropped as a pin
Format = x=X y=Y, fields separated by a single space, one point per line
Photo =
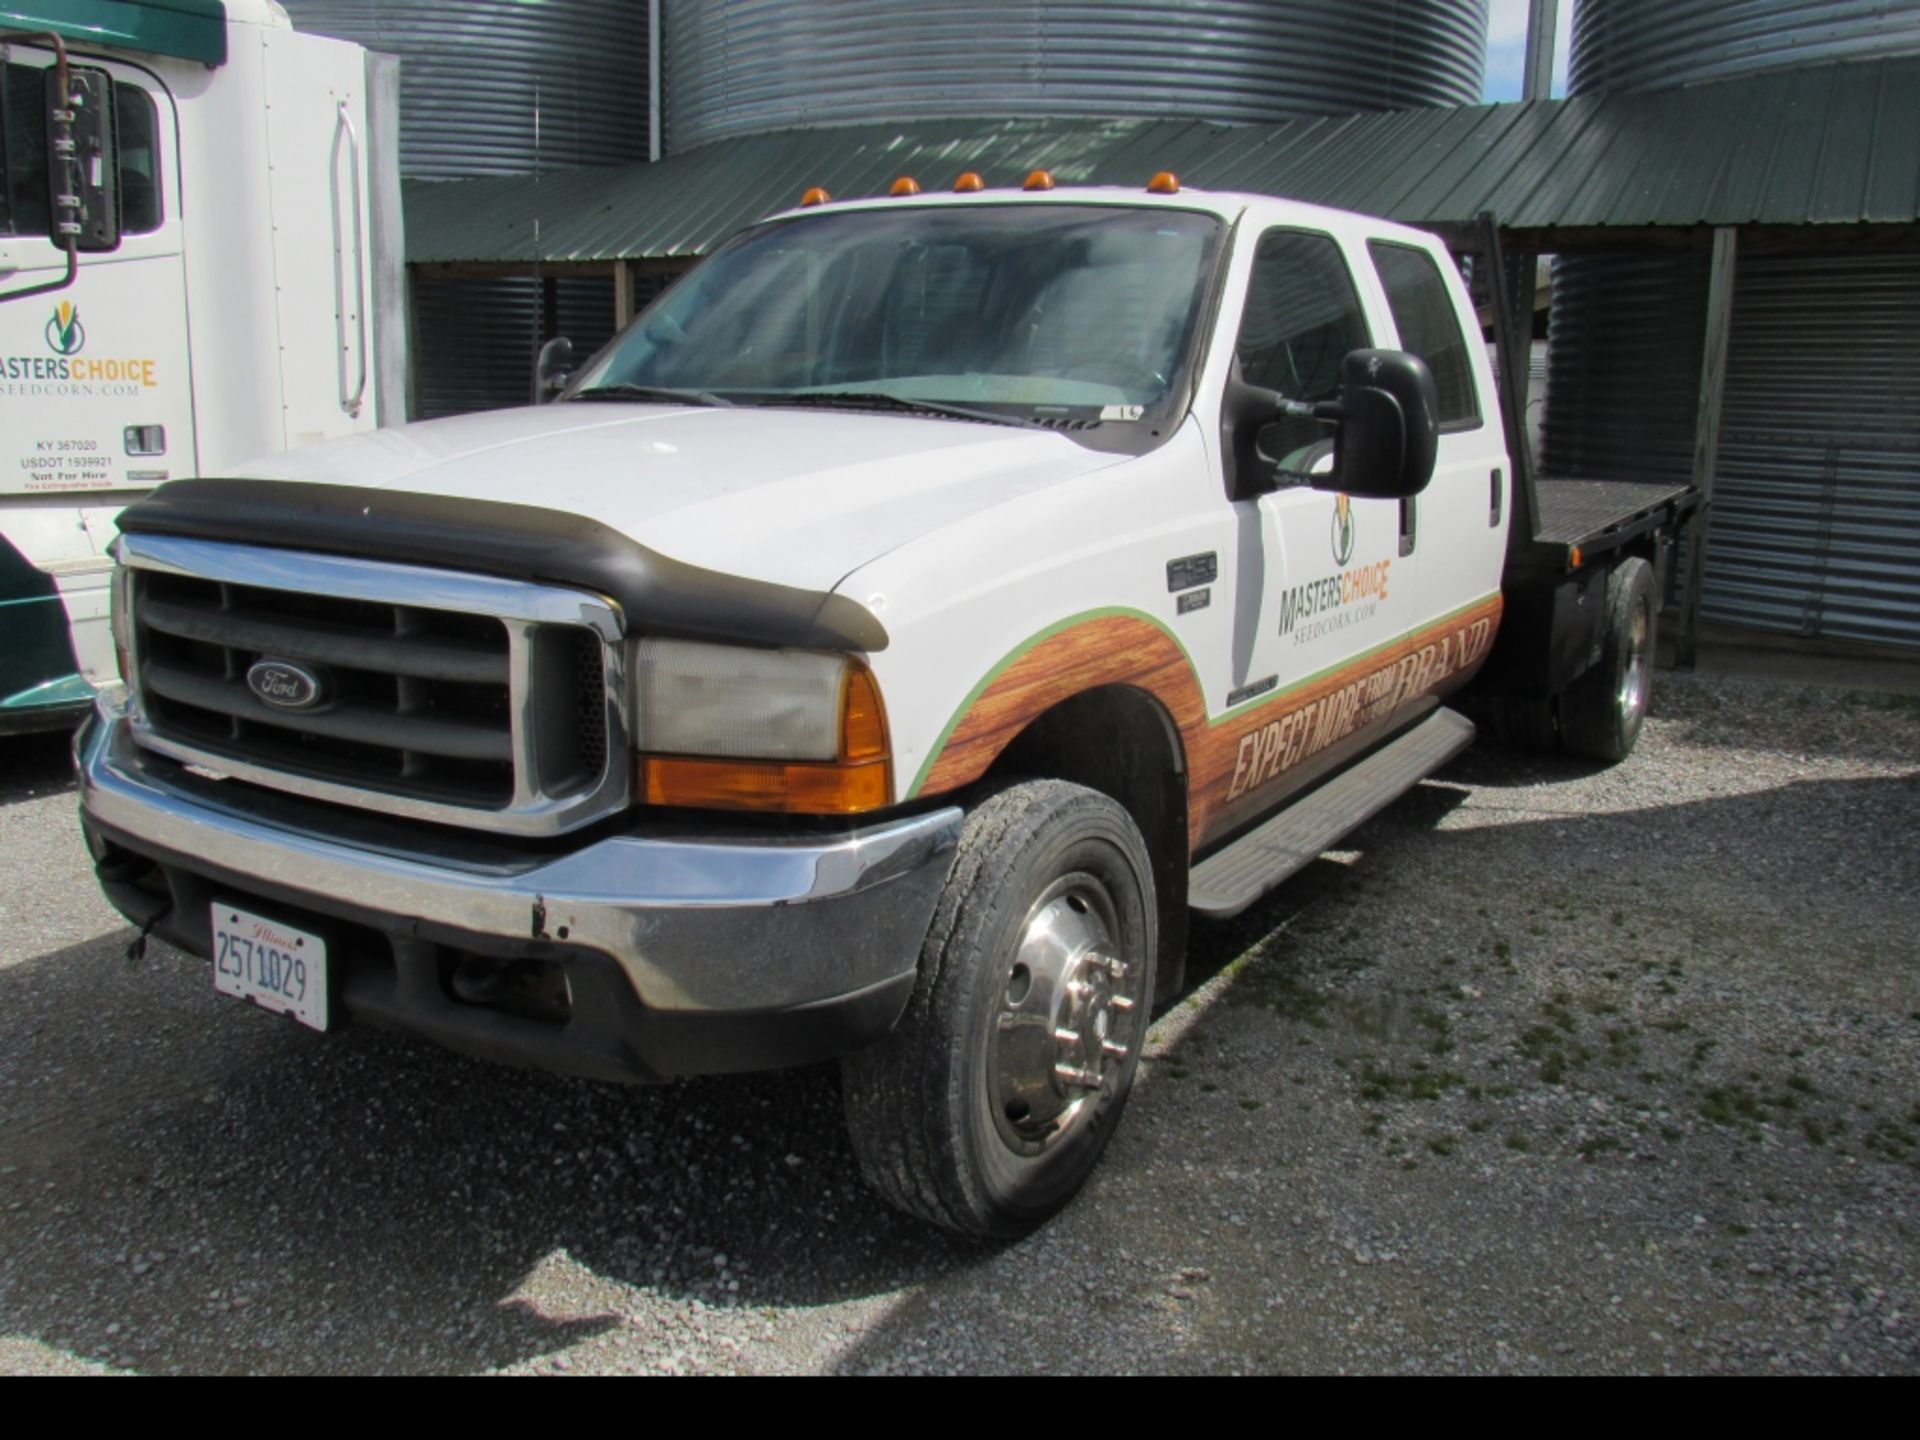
x=475 y=340
x=1816 y=527
x=1623 y=366
x=1816 y=523
x=1784 y=149
x=1646 y=44
x=498 y=88
x=734 y=66
x=470 y=71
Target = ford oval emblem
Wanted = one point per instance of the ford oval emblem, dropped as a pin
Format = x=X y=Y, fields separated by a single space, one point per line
x=285 y=685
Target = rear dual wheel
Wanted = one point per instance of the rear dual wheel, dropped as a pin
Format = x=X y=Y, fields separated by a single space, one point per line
x=1602 y=712
x=991 y=1102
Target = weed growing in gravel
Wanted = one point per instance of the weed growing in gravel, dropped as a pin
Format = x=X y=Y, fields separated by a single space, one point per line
x=1377 y=1083
x=1728 y=1105
x=1519 y=1144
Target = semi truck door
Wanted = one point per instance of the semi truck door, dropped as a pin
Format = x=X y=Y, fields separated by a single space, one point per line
x=95 y=392
x=94 y=381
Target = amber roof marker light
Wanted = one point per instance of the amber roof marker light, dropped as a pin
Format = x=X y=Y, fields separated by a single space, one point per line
x=1165 y=183
x=969 y=184
x=905 y=185
x=1039 y=180
x=815 y=196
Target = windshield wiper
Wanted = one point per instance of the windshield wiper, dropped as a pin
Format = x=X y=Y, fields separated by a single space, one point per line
x=880 y=400
x=652 y=392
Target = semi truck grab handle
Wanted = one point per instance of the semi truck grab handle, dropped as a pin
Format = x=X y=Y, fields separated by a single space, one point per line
x=350 y=396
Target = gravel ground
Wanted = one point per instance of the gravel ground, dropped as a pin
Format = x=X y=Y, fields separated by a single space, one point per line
x=1555 y=1069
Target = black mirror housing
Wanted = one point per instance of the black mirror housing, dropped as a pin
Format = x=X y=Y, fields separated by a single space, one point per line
x=81 y=162
x=553 y=369
x=1388 y=436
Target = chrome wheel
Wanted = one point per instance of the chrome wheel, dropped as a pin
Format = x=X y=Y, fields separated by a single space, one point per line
x=1069 y=1017
x=1633 y=674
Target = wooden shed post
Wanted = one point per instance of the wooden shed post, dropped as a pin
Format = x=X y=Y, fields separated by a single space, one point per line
x=622 y=293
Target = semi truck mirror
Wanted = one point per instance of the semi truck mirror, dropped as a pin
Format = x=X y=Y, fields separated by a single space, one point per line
x=1388 y=438
x=553 y=369
x=81 y=163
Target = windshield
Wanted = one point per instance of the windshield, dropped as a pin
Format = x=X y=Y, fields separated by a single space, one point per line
x=1020 y=312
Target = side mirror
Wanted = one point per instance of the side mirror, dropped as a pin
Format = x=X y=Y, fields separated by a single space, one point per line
x=553 y=369
x=1388 y=437
x=80 y=159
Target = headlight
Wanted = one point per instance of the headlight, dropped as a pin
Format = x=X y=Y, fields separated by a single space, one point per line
x=786 y=730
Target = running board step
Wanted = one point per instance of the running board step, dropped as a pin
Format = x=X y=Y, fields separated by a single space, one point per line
x=1228 y=882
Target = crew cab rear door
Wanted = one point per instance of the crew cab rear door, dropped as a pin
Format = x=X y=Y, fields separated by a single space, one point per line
x=1459 y=522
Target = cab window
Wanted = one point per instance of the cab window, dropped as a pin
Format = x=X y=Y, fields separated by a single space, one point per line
x=1423 y=313
x=23 y=151
x=1302 y=317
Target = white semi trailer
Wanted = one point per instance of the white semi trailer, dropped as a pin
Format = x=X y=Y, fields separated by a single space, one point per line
x=200 y=262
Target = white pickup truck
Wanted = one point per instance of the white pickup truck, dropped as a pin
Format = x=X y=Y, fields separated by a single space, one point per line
x=875 y=653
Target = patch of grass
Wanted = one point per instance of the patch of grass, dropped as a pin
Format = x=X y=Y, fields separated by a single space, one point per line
x=1672 y=1135
x=1381 y=1083
x=1737 y=1230
x=1503 y=951
x=1252 y=1105
x=1519 y=1144
x=1815 y=1132
x=1672 y=1025
x=1701 y=1050
x=1598 y=1145
x=1442 y=1144
x=1207 y=1087
x=1729 y=1105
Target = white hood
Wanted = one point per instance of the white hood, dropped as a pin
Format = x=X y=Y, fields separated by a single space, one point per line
x=798 y=498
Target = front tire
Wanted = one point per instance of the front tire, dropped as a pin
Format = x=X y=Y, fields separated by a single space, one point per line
x=1602 y=711
x=990 y=1103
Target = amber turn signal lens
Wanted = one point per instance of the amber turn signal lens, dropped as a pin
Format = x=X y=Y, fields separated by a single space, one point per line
x=969 y=183
x=765 y=785
x=905 y=185
x=1165 y=183
x=863 y=724
x=815 y=196
x=1039 y=180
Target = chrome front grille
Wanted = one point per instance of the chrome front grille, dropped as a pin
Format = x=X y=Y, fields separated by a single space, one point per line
x=438 y=695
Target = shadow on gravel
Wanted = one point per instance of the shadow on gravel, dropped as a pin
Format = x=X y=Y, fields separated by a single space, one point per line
x=219 y=1191
x=33 y=765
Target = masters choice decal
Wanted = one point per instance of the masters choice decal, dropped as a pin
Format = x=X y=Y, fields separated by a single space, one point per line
x=66 y=371
x=1352 y=597
x=1282 y=744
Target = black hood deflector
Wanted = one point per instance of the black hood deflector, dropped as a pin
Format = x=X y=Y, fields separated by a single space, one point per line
x=659 y=595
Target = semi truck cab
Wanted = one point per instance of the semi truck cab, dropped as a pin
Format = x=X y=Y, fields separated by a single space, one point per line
x=218 y=303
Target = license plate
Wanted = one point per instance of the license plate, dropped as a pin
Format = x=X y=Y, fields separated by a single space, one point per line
x=271 y=964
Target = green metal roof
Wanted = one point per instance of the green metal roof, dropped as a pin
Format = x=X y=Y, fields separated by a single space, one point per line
x=186 y=29
x=1828 y=145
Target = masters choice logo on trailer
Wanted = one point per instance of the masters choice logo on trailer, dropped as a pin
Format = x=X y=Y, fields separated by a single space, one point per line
x=66 y=371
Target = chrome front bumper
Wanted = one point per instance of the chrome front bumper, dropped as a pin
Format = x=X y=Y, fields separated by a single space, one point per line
x=700 y=924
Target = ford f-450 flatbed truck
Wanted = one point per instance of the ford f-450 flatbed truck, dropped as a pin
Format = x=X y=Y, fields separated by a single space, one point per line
x=876 y=652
